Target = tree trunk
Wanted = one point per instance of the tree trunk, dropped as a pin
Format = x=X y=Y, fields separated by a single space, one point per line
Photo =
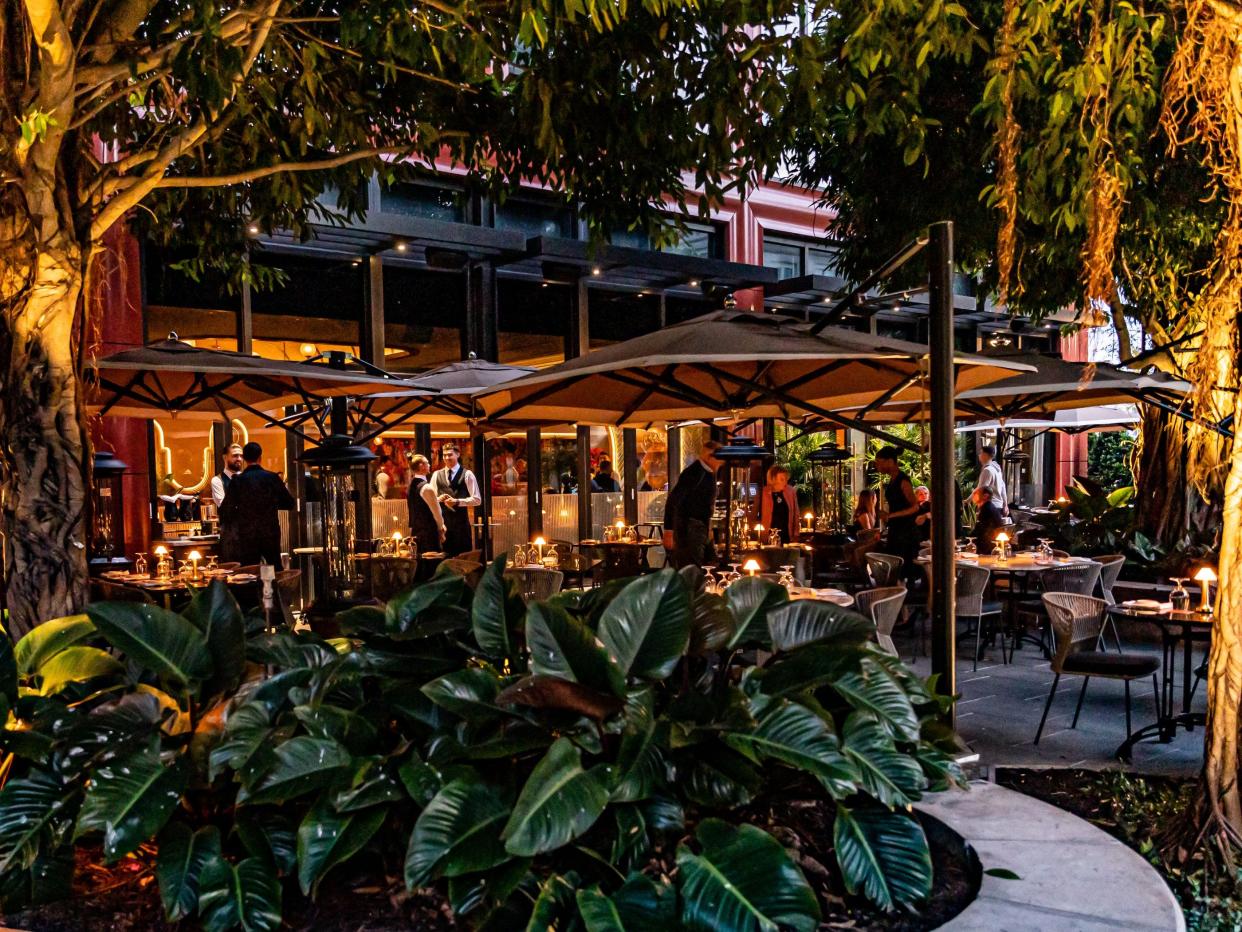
x=1160 y=471
x=43 y=457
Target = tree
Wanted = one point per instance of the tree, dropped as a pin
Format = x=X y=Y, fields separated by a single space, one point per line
x=1093 y=149
x=200 y=119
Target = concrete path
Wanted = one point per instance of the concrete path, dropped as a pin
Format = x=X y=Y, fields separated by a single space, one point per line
x=1073 y=876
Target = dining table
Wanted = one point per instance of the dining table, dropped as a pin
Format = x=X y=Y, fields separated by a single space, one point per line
x=617 y=552
x=1178 y=629
x=167 y=590
x=824 y=594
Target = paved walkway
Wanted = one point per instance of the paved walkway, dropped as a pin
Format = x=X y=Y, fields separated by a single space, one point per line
x=1073 y=877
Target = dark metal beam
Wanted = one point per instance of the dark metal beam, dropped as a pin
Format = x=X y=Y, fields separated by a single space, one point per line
x=629 y=454
x=903 y=255
x=584 y=481
x=534 y=482
x=371 y=347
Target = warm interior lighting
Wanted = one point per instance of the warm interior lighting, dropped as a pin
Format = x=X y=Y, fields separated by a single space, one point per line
x=809 y=516
x=195 y=556
x=308 y=350
x=620 y=525
x=694 y=283
x=401 y=247
x=751 y=566
x=1205 y=577
x=396 y=535
x=595 y=271
x=1002 y=537
x=540 y=542
x=253 y=229
x=161 y=551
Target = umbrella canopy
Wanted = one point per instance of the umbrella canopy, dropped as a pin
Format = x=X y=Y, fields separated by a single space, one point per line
x=726 y=363
x=1068 y=421
x=177 y=377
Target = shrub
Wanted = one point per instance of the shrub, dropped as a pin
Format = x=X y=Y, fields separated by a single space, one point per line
x=527 y=762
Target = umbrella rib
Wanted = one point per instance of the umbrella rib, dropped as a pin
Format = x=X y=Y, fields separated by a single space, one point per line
x=538 y=395
x=888 y=395
x=415 y=410
x=644 y=395
x=683 y=391
x=265 y=417
x=816 y=373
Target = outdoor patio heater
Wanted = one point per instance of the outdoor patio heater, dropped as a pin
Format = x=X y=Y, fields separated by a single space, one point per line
x=739 y=455
x=107 y=513
x=1014 y=463
x=828 y=486
x=340 y=469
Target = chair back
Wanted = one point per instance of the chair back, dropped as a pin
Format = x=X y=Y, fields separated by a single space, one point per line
x=472 y=570
x=104 y=591
x=1110 y=569
x=882 y=605
x=563 y=548
x=968 y=592
x=1079 y=578
x=1077 y=621
x=885 y=569
x=535 y=585
x=289 y=592
x=856 y=553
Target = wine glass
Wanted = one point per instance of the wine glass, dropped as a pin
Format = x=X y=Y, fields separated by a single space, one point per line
x=213 y=563
x=787 y=577
x=140 y=564
x=1179 y=598
x=519 y=555
x=710 y=583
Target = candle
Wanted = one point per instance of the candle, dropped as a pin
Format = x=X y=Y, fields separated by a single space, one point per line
x=1205 y=577
x=751 y=566
x=195 y=556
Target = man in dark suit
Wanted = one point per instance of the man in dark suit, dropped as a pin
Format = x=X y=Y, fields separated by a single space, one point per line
x=688 y=511
x=250 y=530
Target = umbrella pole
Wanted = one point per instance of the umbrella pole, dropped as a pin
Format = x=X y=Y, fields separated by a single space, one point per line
x=943 y=499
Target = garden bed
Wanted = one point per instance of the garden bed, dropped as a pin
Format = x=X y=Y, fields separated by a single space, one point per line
x=1135 y=808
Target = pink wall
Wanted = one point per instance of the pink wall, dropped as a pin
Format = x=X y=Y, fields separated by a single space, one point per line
x=1071 y=448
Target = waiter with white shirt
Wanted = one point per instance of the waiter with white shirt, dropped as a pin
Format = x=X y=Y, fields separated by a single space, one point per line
x=458 y=493
x=220 y=481
x=992 y=478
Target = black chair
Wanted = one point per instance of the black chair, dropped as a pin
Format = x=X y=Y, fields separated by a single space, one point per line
x=1076 y=622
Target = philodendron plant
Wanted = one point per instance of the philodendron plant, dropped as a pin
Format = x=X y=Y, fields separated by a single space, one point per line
x=532 y=763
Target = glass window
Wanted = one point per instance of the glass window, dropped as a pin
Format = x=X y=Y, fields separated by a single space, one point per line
x=507 y=487
x=820 y=260
x=424 y=318
x=533 y=322
x=534 y=218
x=318 y=307
x=786 y=258
x=419 y=199
x=202 y=312
x=698 y=239
x=558 y=457
x=616 y=316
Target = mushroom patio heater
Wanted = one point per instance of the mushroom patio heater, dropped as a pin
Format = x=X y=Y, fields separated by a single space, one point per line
x=340 y=468
x=738 y=454
x=1015 y=462
x=107 y=513
x=828 y=485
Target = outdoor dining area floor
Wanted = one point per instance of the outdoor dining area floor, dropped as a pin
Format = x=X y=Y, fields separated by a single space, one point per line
x=1001 y=704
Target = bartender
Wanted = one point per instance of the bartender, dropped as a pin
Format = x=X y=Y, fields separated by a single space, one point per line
x=458 y=493
x=232 y=467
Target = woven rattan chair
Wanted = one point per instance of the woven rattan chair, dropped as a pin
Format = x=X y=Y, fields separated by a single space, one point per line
x=883 y=606
x=1079 y=578
x=972 y=583
x=535 y=585
x=1076 y=622
x=1110 y=569
x=885 y=569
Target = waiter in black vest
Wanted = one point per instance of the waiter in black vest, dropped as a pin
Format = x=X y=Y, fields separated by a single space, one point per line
x=458 y=493
x=426 y=516
x=250 y=529
x=232 y=468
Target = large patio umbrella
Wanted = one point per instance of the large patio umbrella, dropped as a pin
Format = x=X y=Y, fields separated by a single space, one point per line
x=176 y=377
x=730 y=363
x=1068 y=421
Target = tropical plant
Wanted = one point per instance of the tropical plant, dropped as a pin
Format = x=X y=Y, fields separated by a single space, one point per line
x=1092 y=519
x=531 y=762
x=1108 y=459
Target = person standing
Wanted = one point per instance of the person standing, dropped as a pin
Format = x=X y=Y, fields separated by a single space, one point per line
x=688 y=511
x=458 y=493
x=901 y=507
x=992 y=478
x=232 y=468
x=426 y=516
x=778 y=505
x=250 y=528
x=988 y=521
x=922 y=520
x=604 y=480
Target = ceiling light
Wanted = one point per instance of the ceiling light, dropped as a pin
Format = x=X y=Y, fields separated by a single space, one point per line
x=694 y=283
x=999 y=339
x=253 y=229
x=400 y=247
x=596 y=270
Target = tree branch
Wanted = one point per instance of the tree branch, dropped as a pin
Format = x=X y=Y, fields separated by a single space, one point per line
x=254 y=174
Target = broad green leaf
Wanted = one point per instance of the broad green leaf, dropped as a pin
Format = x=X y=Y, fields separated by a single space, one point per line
x=711 y=624
x=247 y=895
x=554 y=906
x=808 y=621
x=182 y=855
x=420 y=779
x=129 y=799
x=496 y=612
x=808 y=668
x=467 y=892
x=216 y=613
x=598 y=912
x=327 y=838
x=647 y=627
x=164 y=643
x=300 y=765
x=373 y=786
x=556 y=694
x=884 y=854
x=641 y=905
x=742 y=880
x=794 y=735
x=268 y=834
x=48 y=639
x=248 y=729
x=76 y=665
x=874 y=691
x=32 y=810
x=329 y=721
x=563 y=646
x=456 y=833
x=470 y=693
x=559 y=802
x=750 y=600
x=362 y=619
x=429 y=608
x=890 y=776
x=714 y=774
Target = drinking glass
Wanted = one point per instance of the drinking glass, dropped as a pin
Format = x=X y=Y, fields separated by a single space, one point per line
x=787 y=577
x=140 y=564
x=519 y=555
x=710 y=583
x=213 y=563
x=554 y=558
x=1179 y=598
x=533 y=557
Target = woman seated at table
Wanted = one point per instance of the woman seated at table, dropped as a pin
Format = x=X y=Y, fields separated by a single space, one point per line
x=778 y=505
x=864 y=512
x=988 y=520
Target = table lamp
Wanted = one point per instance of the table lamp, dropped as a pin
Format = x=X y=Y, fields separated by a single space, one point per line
x=808 y=522
x=163 y=567
x=751 y=566
x=540 y=543
x=1205 y=577
x=1003 y=540
x=194 y=557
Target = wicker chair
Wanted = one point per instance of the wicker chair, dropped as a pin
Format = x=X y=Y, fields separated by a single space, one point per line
x=972 y=583
x=883 y=606
x=578 y=568
x=1077 y=578
x=1076 y=622
x=104 y=591
x=536 y=585
x=1110 y=569
x=471 y=570
x=885 y=569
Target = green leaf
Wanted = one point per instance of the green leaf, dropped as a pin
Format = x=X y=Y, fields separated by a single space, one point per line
x=470 y=693
x=49 y=638
x=32 y=811
x=76 y=665
x=794 y=735
x=330 y=721
x=559 y=802
x=158 y=640
x=750 y=600
x=429 y=608
x=457 y=833
x=808 y=621
x=640 y=905
x=247 y=730
x=300 y=765
x=554 y=906
x=216 y=613
x=496 y=612
x=247 y=895
x=554 y=693
x=874 y=691
x=1002 y=873
x=647 y=627
x=362 y=619
x=129 y=800
x=743 y=880
x=182 y=855
x=563 y=646
x=884 y=854
x=892 y=777
x=711 y=624
x=808 y=668
x=714 y=774
x=268 y=835
x=327 y=838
